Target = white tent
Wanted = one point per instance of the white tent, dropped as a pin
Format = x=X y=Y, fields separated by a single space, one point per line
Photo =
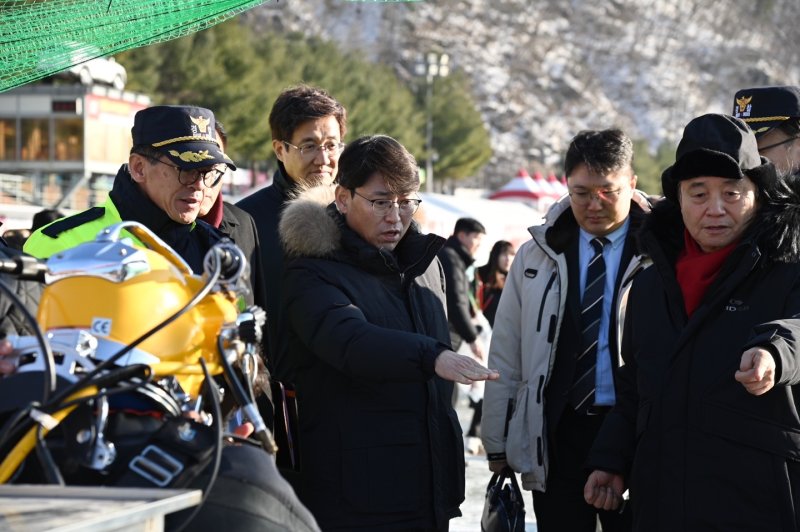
x=537 y=191
x=559 y=185
x=522 y=188
x=503 y=220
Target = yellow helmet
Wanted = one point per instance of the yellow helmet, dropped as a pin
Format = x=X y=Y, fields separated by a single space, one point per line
x=118 y=292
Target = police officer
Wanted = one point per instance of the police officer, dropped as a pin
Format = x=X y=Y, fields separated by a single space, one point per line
x=773 y=113
x=175 y=156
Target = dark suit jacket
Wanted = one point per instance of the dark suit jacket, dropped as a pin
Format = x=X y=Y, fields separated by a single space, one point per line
x=557 y=393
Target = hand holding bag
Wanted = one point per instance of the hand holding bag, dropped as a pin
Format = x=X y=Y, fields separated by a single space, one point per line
x=504 y=510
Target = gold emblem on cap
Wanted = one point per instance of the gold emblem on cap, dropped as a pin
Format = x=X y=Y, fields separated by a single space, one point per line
x=201 y=122
x=742 y=102
x=191 y=156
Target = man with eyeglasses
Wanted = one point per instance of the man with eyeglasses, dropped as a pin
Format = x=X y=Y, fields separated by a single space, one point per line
x=773 y=113
x=307 y=126
x=175 y=156
x=368 y=348
x=556 y=336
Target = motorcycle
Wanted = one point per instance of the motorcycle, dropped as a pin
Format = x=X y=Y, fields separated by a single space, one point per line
x=119 y=384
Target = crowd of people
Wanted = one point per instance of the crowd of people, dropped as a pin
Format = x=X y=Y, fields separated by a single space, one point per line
x=643 y=350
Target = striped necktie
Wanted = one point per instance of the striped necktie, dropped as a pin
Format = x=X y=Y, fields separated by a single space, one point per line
x=582 y=392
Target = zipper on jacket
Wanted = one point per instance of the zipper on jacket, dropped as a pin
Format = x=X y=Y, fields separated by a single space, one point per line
x=629 y=279
x=539 y=389
x=539 y=450
x=544 y=298
x=551 y=332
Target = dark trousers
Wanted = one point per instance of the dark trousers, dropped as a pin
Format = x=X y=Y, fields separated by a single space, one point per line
x=475 y=425
x=562 y=507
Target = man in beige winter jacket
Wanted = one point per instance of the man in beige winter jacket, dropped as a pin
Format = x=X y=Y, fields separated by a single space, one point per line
x=556 y=335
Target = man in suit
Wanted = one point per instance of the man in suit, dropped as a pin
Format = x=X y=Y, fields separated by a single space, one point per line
x=555 y=340
x=307 y=126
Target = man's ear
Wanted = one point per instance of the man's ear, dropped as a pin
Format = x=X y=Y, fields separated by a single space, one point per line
x=136 y=166
x=343 y=198
x=634 y=180
x=279 y=148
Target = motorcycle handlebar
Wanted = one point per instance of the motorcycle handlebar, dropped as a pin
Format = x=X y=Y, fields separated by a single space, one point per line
x=24 y=267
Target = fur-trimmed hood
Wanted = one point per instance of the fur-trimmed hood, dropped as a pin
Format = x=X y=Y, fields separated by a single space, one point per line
x=775 y=228
x=306 y=229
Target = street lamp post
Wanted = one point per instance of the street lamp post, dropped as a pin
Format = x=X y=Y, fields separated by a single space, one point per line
x=433 y=65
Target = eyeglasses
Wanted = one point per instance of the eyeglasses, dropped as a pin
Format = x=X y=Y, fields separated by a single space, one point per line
x=310 y=150
x=786 y=141
x=210 y=176
x=380 y=207
x=582 y=198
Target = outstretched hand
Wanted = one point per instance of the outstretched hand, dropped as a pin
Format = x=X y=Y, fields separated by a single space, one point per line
x=756 y=371
x=459 y=368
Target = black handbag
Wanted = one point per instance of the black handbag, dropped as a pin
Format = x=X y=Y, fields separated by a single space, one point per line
x=504 y=510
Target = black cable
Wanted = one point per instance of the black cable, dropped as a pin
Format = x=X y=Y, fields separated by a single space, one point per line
x=127 y=386
x=240 y=395
x=9 y=426
x=49 y=467
x=14 y=426
x=215 y=401
x=52 y=473
x=49 y=359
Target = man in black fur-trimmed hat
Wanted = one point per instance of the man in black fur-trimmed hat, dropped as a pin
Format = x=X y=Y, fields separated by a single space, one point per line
x=705 y=424
x=773 y=113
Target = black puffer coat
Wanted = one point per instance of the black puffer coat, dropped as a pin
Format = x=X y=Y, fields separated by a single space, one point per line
x=455 y=261
x=698 y=451
x=381 y=446
x=265 y=207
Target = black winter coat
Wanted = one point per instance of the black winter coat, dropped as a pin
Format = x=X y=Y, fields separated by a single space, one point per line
x=381 y=446
x=699 y=451
x=455 y=261
x=266 y=206
x=239 y=226
x=490 y=295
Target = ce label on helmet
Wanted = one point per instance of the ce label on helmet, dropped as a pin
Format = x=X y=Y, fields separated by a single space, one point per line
x=101 y=326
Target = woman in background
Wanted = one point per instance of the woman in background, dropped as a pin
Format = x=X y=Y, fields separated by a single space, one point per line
x=491 y=277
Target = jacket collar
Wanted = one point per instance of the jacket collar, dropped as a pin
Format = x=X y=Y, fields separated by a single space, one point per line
x=133 y=204
x=561 y=227
x=283 y=183
x=455 y=244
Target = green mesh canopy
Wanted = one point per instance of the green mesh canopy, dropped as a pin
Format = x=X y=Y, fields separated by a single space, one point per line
x=39 y=38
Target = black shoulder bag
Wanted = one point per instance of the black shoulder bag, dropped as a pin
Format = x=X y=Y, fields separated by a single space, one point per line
x=504 y=510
